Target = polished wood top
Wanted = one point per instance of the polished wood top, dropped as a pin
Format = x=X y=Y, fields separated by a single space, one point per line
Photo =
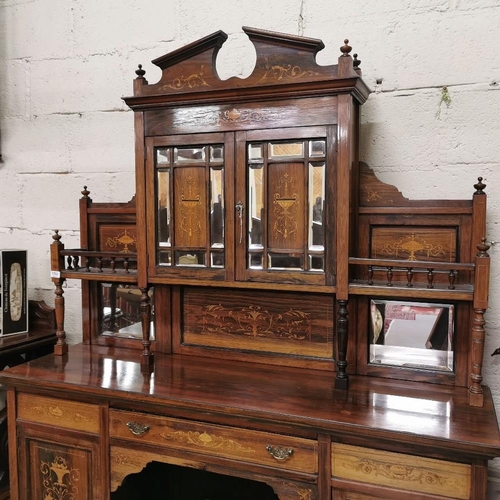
x=236 y=393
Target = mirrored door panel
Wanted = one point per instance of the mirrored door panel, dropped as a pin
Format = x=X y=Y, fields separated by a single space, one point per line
x=188 y=210
x=282 y=221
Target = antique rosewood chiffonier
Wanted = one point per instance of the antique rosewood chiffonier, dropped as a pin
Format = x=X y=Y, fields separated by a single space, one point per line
x=265 y=319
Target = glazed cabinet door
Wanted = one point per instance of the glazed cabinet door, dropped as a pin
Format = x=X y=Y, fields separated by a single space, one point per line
x=55 y=467
x=190 y=178
x=285 y=196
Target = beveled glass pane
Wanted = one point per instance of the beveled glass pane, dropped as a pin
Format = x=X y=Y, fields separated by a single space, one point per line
x=282 y=261
x=164 y=258
x=255 y=152
x=317 y=148
x=316 y=263
x=217 y=259
x=163 y=156
x=216 y=154
x=217 y=208
x=412 y=334
x=256 y=204
x=120 y=314
x=316 y=206
x=281 y=149
x=189 y=155
x=164 y=209
x=255 y=261
x=195 y=259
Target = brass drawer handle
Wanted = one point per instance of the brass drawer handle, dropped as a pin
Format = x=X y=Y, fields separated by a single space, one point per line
x=278 y=452
x=137 y=429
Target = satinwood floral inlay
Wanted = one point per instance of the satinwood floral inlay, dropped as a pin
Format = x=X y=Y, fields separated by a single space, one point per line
x=276 y=73
x=206 y=440
x=242 y=116
x=285 y=207
x=191 y=81
x=398 y=472
x=413 y=245
x=123 y=240
x=256 y=321
x=59 y=480
x=189 y=206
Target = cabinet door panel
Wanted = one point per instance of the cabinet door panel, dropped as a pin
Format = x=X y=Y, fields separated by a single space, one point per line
x=67 y=469
x=189 y=195
x=285 y=182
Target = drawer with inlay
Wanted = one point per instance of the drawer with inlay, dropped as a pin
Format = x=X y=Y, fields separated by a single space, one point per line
x=58 y=412
x=398 y=470
x=262 y=448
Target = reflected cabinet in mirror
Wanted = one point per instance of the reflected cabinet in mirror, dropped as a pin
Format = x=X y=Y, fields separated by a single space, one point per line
x=120 y=311
x=412 y=334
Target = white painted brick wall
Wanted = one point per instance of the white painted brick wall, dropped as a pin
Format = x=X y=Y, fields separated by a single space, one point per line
x=66 y=64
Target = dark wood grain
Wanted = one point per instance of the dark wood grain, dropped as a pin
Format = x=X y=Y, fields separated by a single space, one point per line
x=297 y=398
x=257 y=295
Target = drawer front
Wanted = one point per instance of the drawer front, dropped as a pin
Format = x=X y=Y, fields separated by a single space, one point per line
x=59 y=413
x=285 y=452
x=397 y=470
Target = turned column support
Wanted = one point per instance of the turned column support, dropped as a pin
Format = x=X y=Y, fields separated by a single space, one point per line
x=342 y=379
x=147 y=357
x=61 y=346
x=57 y=266
x=480 y=305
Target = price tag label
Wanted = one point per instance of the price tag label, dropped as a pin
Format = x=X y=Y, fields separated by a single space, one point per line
x=55 y=274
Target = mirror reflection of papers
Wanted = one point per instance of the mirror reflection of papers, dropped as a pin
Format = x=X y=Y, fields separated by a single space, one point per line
x=412 y=334
x=410 y=326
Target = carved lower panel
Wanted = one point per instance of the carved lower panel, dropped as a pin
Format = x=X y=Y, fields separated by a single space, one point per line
x=62 y=413
x=125 y=461
x=402 y=471
x=294 y=324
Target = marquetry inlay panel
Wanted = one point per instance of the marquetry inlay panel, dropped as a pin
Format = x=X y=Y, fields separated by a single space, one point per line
x=296 y=325
x=397 y=470
x=213 y=440
x=121 y=238
x=414 y=243
x=190 y=81
x=286 y=218
x=190 y=207
x=57 y=412
x=59 y=472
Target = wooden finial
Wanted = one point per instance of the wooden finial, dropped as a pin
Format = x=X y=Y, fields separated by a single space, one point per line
x=56 y=236
x=346 y=48
x=483 y=248
x=479 y=186
x=356 y=62
x=140 y=73
x=85 y=192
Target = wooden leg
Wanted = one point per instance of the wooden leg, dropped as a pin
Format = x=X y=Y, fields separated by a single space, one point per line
x=342 y=380
x=476 y=396
x=61 y=346
x=147 y=357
